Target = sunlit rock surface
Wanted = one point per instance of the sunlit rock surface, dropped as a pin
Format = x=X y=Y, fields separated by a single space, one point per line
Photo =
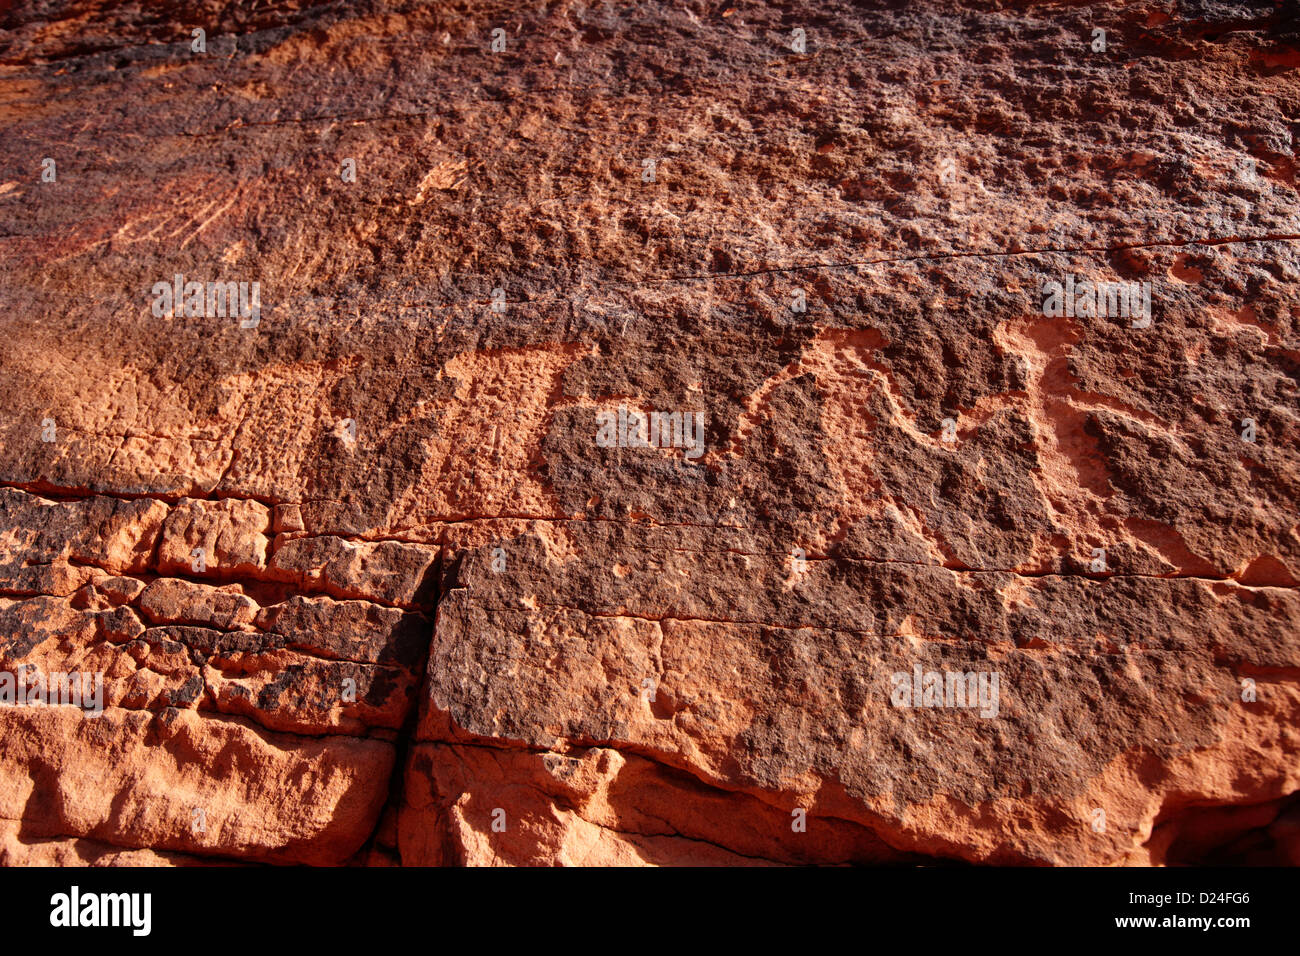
x=369 y=576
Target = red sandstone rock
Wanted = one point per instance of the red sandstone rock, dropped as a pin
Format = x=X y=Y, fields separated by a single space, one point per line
x=363 y=585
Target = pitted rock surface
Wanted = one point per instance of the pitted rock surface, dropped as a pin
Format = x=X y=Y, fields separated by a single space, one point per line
x=364 y=586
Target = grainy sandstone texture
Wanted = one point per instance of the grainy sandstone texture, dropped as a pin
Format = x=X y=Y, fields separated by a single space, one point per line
x=364 y=587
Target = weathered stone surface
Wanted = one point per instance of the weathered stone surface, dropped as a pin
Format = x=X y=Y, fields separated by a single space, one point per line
x=386 y=571
x=363 y=585
x=177 y=781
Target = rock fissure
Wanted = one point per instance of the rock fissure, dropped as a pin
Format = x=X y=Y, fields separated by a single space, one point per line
x=369 y=582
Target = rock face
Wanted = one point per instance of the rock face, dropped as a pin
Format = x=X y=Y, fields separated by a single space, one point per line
x=933 y=560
